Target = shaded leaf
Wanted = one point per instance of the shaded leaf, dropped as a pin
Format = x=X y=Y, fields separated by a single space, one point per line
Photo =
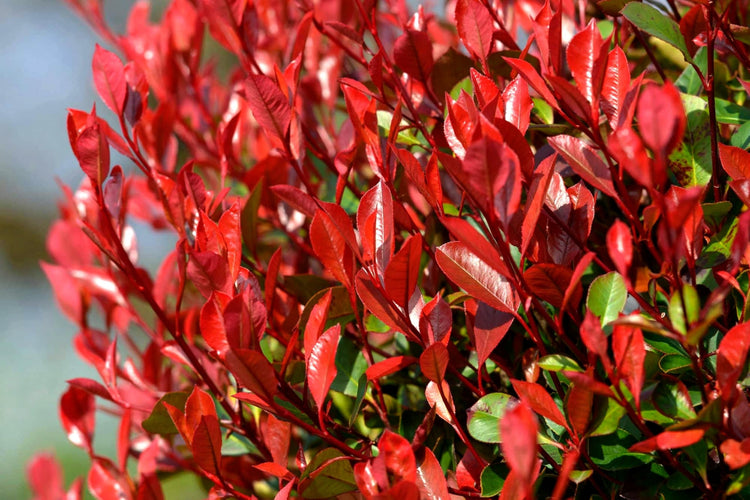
x=655 y=23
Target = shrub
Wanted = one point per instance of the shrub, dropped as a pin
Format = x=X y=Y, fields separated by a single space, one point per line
x=501 y=252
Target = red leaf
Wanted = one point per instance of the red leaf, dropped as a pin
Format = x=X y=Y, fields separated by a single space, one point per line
x=579 y=405
x=244 y=329
x=535 y=200
x=736 y=453
x=321 y=367
x=206 y=444
x=92 y=151
x=211 y=321
x=475 y=28
x=736 y=161
x=104 y=481
x=269 y=106
x=77 y=414
x=434 y=361
x=661 y=117
x=627 y=148
x=375 y=223
x=316 y=323
x=730 y=359
x=615 y=86
x=389 y=366
x=533 y=78
x=518 y=428
x=229 y=227
x=109 y=79
x=436 y=321
x=586 y=55
x=585 y=162
x=430 y=478
x=276 y=435
x=92 y=387
x=548 y=282
x=402 y=272
x=630 y=353
x=331 y=248
x=594 y=339
x=477 y=244
x=620 y=247
x=209 y=272
x=486 y=91
x=668 y=440
x=296 y=198
x=488 y=327
x=397 y=456
x=222 y=23
x=373 y=299
x=253 y=371
x=475 y=276
x=539 y=400
x=412 y=52
x=45 y=477
x=123 y=439
x=518 y=104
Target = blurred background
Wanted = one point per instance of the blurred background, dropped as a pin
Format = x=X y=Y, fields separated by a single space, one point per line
x=45 y=68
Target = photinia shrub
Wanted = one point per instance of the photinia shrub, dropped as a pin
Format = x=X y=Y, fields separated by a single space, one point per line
x=497 y=250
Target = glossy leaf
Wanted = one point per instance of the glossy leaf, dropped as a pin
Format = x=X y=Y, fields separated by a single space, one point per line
x=607 y=296
x=736 y=161
x=691 y=162
x=585 y=162
x=519 y=428
x=77 y=417
x=586 y=54
x=661 y=130
x=434 y=361
x=731 y=357
x=620 y=247
x=389 y=366
x=474 y=27
x=630 y=354
x=475 y=276
x=668 y=440
x=321 y=367
x=655 y=23
x=539 y=400
x=412 y=52
x=109 y=79
x=269 y=105
x=484 y=416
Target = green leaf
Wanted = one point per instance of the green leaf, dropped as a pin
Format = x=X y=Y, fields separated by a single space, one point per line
x=691 y=162
x=720 y=247
x=493 y=478
x=684 y=304
x=672 y=363
x=304 y=286
x=731 y=113
x=327 y=481
x=663 y=344
x=558 y=363
x=159 y=422
x=611 y=452
x=741 y=137
x=656 y=23
x=689 y=82
x=236 y=445
x=405 y=136
x=350 y=365
x=672 y=402
x=485 y=414
x=579 y=476
x=740 y=479
x=607 y=417
x=607 y=296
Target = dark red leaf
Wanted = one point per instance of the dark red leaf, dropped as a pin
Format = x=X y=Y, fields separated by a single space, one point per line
x=578 y=406
x=475 y=28
x=331 y=248
x=389 y=366
x=477 y=244
x=77 y=410
x=518 y=104
x=475 y=276
x=229 y=227
x=373 y=299
x=548 y=282
x=731 y=357
x=222 y=23
x=209 y=272
x=213 y=329
x=403 y=271
x=533 y=78
x=436 y=321
x=629 y=352
x=276 y=435
x=488 y=327
x=109 y=79
x=434 y=361
x=412 y=52
x=253 y=371
x=585 y=162
x=594 y=339
x=668 y=440
x=296 y=198
x=270 y=107
x=519 y=428
x=539 y=400
x=535 y=200
x=321 y=367
x=206 y=444
x=486 y=90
